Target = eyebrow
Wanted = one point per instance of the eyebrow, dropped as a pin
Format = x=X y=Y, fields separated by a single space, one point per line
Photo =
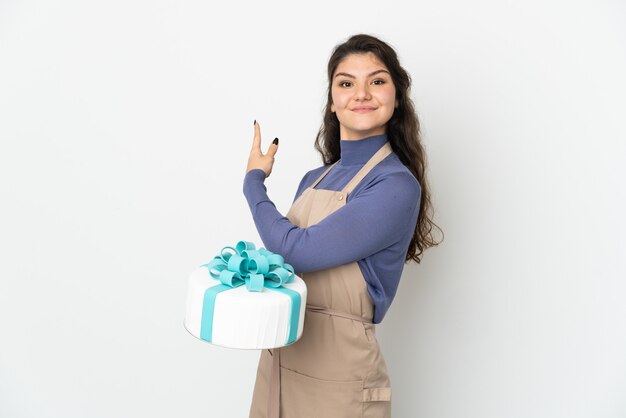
x=369 y=75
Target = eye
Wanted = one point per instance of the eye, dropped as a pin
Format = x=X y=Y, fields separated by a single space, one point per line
x=345 y=83
x=378 y=81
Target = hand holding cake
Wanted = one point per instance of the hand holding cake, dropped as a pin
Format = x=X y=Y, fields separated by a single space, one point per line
x=259 y=160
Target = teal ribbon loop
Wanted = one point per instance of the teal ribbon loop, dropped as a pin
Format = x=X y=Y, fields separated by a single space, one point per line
x=244 y=264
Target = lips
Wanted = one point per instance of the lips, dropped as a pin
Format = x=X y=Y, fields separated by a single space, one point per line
x=363 y=109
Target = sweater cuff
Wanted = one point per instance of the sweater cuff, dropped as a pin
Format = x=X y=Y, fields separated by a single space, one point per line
x=253 y=188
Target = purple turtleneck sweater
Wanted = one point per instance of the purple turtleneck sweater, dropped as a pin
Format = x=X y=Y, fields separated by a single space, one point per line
x=374 y=227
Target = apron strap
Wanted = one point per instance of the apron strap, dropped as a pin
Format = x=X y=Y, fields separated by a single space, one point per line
x=312 y=186
x=273 y=405
x=380 y=155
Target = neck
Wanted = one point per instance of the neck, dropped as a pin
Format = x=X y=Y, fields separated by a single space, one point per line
x=359 y=151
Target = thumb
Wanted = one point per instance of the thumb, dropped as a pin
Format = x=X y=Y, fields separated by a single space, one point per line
x=273 y=148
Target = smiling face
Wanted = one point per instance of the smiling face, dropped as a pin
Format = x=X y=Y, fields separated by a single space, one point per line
x=363 y=95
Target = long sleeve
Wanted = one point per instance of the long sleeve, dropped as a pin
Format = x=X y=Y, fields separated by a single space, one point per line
x=371 y=220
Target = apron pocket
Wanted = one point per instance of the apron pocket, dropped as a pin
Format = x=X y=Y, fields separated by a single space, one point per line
x=369 y=331
x=303 y=396
x=377 y=403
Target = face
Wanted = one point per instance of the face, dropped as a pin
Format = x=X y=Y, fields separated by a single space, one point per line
x=363 y=96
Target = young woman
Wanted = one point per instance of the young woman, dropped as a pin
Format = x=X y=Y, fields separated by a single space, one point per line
x=354 y=223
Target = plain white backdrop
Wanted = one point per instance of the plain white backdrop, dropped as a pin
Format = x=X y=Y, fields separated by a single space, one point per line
x=125 y=128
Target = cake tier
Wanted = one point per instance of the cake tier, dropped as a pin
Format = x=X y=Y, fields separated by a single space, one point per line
x=238 y=318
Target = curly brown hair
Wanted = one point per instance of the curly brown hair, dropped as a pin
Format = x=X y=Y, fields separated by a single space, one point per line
x=403 y=131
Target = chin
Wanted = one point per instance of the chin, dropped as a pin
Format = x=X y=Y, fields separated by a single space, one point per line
x=369 y=129
x=359 y=134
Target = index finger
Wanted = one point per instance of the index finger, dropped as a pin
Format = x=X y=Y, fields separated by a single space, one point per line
x=256 y=143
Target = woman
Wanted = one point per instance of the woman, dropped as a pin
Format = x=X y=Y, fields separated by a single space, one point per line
x=354 y=223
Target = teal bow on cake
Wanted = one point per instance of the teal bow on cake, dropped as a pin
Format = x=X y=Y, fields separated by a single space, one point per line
x=257 y=269
x=247 y=265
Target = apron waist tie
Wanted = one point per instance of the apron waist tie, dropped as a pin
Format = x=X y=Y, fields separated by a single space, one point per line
x=273 y=406
x=333 y=312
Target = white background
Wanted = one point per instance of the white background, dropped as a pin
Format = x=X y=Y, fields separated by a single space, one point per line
x=125 y=128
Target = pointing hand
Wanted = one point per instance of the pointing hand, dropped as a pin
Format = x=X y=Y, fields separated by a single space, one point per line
x=257 y=159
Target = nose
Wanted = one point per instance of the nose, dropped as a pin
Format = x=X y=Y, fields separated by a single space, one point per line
x=362 y=92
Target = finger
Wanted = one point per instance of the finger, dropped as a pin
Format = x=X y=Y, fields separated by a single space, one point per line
x=273 y=148
x=256 y=143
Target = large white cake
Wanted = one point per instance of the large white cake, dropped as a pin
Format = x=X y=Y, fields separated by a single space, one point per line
x=236 y=317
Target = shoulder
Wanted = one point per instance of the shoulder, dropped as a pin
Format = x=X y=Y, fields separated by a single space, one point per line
x=316 y=172
x=309 y=178
x=390 y=187
x=312 y=175
x=394 y=175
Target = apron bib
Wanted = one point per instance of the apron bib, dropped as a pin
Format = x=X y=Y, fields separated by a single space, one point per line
x=336 y=368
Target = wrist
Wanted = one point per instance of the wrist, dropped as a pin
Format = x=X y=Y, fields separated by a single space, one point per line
x=255 y=174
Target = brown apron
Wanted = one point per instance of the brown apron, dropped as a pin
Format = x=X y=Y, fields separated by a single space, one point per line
x=336 y=368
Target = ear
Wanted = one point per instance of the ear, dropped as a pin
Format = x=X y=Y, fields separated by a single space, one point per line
x=332 y=108
x=397 y=103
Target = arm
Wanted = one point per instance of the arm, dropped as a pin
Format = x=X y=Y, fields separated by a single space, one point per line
x=369 y=222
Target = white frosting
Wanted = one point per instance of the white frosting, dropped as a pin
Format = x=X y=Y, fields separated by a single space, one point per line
x=244 y=319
